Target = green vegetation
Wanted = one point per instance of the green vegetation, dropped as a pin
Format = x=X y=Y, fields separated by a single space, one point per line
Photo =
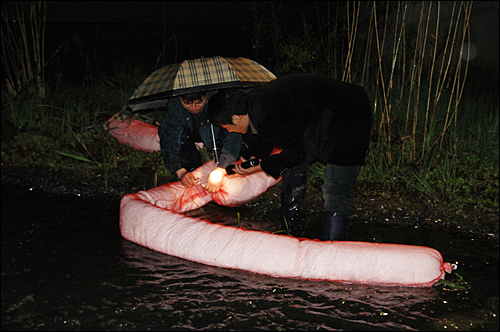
x=436 y=135
x=459 y=284
x=65 y=131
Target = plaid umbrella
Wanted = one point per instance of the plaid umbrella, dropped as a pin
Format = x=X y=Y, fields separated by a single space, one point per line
x=197 y=75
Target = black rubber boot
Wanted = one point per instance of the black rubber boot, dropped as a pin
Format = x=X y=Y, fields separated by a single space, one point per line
x=335 y=227
x=293 y=192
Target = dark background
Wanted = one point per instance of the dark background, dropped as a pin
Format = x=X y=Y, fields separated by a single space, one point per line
x=103 y=34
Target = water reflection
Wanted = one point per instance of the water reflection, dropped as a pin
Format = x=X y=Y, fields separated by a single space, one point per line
x=246 y=296
x=66 y=267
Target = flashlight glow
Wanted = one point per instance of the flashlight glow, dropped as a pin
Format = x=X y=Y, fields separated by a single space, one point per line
x=216 y=176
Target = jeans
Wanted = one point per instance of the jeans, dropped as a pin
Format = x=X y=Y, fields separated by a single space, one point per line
x=338 y=188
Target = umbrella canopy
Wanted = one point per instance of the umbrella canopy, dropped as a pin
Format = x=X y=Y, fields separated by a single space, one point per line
x=197 y=75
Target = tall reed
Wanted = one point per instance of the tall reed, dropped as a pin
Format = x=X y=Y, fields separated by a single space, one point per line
x=23 y=46
x=408 y=55
x=418 y=71
x=412 y=59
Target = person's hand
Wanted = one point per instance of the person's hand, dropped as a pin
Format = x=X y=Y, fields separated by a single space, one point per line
x=244 y=171
x=215 y=179
x=187 y=178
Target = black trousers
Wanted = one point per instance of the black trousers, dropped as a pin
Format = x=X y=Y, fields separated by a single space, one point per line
x=338 y=188
x=190 y=156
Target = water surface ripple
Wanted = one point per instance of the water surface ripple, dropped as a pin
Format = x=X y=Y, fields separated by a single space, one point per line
x=66 y=267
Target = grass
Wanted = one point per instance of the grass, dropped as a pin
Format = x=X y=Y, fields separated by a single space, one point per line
x=64 y=131
x=437 y=139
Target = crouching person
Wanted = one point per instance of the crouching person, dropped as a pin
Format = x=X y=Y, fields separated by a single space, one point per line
x=310 y=118
x=185 y=124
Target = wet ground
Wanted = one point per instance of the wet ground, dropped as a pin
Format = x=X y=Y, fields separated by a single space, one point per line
x=375 y=203
x=66 y=267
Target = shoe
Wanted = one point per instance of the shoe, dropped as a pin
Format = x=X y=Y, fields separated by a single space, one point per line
x=335 y=227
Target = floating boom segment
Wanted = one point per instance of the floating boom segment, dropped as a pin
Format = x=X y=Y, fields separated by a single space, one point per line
x=153 y=219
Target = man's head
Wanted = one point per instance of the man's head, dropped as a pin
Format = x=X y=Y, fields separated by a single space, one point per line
x=228 y=109
x=194 y=102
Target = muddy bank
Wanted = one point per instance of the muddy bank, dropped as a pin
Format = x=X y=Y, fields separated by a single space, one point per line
x=83 y=182
x=374 y=203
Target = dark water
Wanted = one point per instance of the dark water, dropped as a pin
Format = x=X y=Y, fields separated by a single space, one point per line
x=66 y=267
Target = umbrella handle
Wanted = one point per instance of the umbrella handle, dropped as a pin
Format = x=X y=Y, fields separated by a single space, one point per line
x=216 y=157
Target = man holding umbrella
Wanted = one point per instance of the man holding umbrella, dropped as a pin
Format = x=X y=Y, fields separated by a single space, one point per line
x=310 y=118
x=184 y=124
x=185 y=89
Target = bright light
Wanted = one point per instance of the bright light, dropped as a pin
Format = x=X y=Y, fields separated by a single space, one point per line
x=215 y=176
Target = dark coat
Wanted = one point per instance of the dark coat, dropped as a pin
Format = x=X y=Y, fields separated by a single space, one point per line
x=178 y=124
x=300 y=113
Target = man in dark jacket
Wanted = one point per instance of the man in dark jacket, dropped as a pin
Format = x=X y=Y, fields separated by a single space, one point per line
x=310 y=118
x=185 y=124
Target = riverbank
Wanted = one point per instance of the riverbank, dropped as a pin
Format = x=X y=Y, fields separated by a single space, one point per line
x=376 y=203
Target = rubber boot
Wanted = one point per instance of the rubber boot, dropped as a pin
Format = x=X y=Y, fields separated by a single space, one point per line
x=335 y=227
x=293 y=192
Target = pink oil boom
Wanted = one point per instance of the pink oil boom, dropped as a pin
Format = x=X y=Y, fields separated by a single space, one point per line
x=154 y=219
